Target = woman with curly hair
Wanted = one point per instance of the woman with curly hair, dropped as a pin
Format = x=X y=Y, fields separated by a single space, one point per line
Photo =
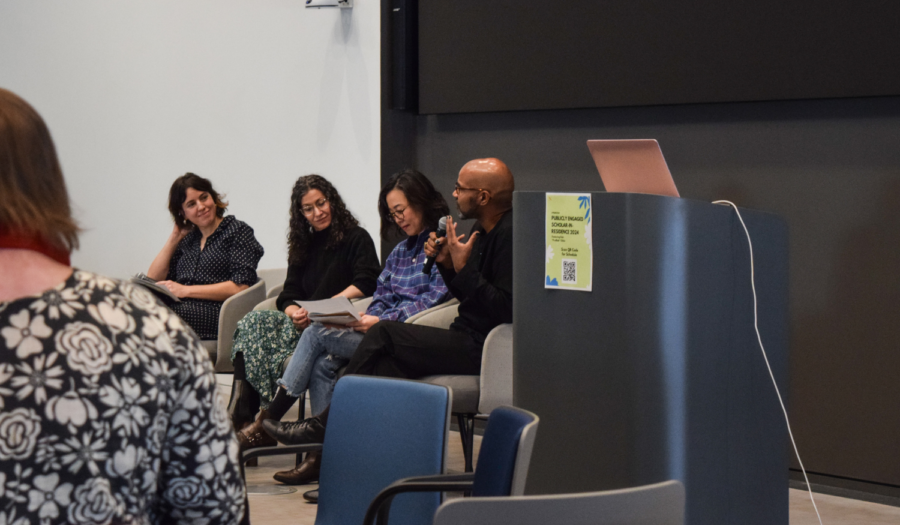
x=329 y=255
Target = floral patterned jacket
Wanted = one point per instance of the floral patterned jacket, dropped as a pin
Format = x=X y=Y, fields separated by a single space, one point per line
x=108 y=412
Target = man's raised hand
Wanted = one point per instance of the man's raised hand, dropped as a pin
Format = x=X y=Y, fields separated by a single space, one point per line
x=459 y=251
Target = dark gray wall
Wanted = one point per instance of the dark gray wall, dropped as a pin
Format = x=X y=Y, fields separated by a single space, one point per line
x=831 y=168
x=591 y=54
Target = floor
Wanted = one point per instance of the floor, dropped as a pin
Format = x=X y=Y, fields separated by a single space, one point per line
x=290 y=508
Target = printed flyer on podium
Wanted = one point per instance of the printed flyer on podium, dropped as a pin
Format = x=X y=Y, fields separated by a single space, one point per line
x=570 y=254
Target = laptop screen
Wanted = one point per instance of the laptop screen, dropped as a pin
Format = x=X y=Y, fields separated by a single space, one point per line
x=632 y=166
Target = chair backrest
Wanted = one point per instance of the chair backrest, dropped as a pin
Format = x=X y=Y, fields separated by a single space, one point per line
x=505 y=453
x=233 y=310
x=496 y=381
x=275 y=291
x=272 y=276
x=362 y=303
x=659 y=504
x=438 y=316
x=379 y=431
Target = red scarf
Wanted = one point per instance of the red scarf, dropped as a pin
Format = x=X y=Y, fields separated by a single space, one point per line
x=10 y=239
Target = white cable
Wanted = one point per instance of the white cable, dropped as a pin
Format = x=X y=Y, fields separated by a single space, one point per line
x=761 y=347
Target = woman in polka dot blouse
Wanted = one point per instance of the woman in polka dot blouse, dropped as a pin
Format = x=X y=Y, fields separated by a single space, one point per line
x=207 y=258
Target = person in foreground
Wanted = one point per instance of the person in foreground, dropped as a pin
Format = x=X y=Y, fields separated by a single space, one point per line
x=207 y=258
x=408 y=203
x=108 y=409
x=477 y=270
x=329 y=255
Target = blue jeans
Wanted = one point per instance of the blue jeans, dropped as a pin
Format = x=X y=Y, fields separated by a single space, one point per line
x=320 y=353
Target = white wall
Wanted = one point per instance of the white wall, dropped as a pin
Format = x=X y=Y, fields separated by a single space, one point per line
x=251 y=94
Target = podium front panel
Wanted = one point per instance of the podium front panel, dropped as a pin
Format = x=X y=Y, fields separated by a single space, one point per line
x=656 y=374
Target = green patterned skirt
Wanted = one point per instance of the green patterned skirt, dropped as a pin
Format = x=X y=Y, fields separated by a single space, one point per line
x=266 y=338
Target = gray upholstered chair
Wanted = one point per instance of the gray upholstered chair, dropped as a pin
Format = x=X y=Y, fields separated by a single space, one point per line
x=474 y=396
x=658 y=504
x=233 y=309
x=273 y=277
x=274 y=291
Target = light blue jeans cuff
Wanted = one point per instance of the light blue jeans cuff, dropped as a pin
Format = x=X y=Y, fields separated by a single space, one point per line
x=314 y=347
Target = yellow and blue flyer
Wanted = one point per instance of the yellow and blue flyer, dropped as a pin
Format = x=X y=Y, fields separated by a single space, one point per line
x=570 y=254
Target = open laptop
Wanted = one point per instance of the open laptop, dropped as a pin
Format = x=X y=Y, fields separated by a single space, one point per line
x=632 y=166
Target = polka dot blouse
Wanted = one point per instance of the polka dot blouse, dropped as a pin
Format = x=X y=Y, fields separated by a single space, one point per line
x=231 y=253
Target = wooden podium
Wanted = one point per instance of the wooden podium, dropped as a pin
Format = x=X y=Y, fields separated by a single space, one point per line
x=656 y=374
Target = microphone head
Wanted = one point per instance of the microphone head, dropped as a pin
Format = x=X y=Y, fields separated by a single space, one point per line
x=442 y=224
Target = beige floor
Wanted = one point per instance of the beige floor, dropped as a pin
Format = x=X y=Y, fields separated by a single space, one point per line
x=292 y=509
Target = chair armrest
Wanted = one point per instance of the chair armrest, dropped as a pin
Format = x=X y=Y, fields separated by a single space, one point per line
x=468 y=476
x=268 y=304
x=233 y=309
x=497 y=369
x=272 y=299
x=274 y=291
x=439 y=316
x=362 y=303
x=380 y=506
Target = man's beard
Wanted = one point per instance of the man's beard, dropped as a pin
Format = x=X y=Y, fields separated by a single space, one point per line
x=463 y=215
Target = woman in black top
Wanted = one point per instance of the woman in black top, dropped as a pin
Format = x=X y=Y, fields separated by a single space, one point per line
x=329 y=255
x=207 y=258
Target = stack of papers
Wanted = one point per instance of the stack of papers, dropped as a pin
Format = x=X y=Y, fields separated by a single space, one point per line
x=337 y=310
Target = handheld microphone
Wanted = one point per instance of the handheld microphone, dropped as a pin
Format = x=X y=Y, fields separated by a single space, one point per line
x=441 y=232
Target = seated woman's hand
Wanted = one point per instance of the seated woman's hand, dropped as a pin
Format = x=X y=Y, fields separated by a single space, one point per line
x=299 y=316
x=179 y=233
x=363 y=325
x=178 y=290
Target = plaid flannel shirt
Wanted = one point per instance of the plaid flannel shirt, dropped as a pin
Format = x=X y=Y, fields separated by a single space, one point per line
x=403 y=290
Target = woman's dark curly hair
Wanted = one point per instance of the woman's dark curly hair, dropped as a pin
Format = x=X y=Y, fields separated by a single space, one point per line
x=178 y=194
x=420 y=194
x=300 y=233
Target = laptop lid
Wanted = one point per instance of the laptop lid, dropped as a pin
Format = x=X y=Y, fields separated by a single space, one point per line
x=632 y=166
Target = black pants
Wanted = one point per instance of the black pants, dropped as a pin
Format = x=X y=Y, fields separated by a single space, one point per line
x=392 y=349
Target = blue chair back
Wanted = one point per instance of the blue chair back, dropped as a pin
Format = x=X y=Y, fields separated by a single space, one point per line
x=381 y=430
x=500 y=450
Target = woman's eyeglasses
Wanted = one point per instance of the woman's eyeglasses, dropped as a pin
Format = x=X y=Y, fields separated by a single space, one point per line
x=398 y=214
x=310 y=208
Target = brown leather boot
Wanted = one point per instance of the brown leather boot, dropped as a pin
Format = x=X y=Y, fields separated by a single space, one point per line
x=253 y=436
x=243 y=405
x=305 y=473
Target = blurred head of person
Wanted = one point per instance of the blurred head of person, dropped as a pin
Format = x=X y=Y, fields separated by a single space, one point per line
x=316 y=206
x=409 y=203
x=34 y=204
x=194 y=202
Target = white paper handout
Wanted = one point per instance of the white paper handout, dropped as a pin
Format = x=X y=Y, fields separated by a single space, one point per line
x=337 y=310
x=151 y=285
